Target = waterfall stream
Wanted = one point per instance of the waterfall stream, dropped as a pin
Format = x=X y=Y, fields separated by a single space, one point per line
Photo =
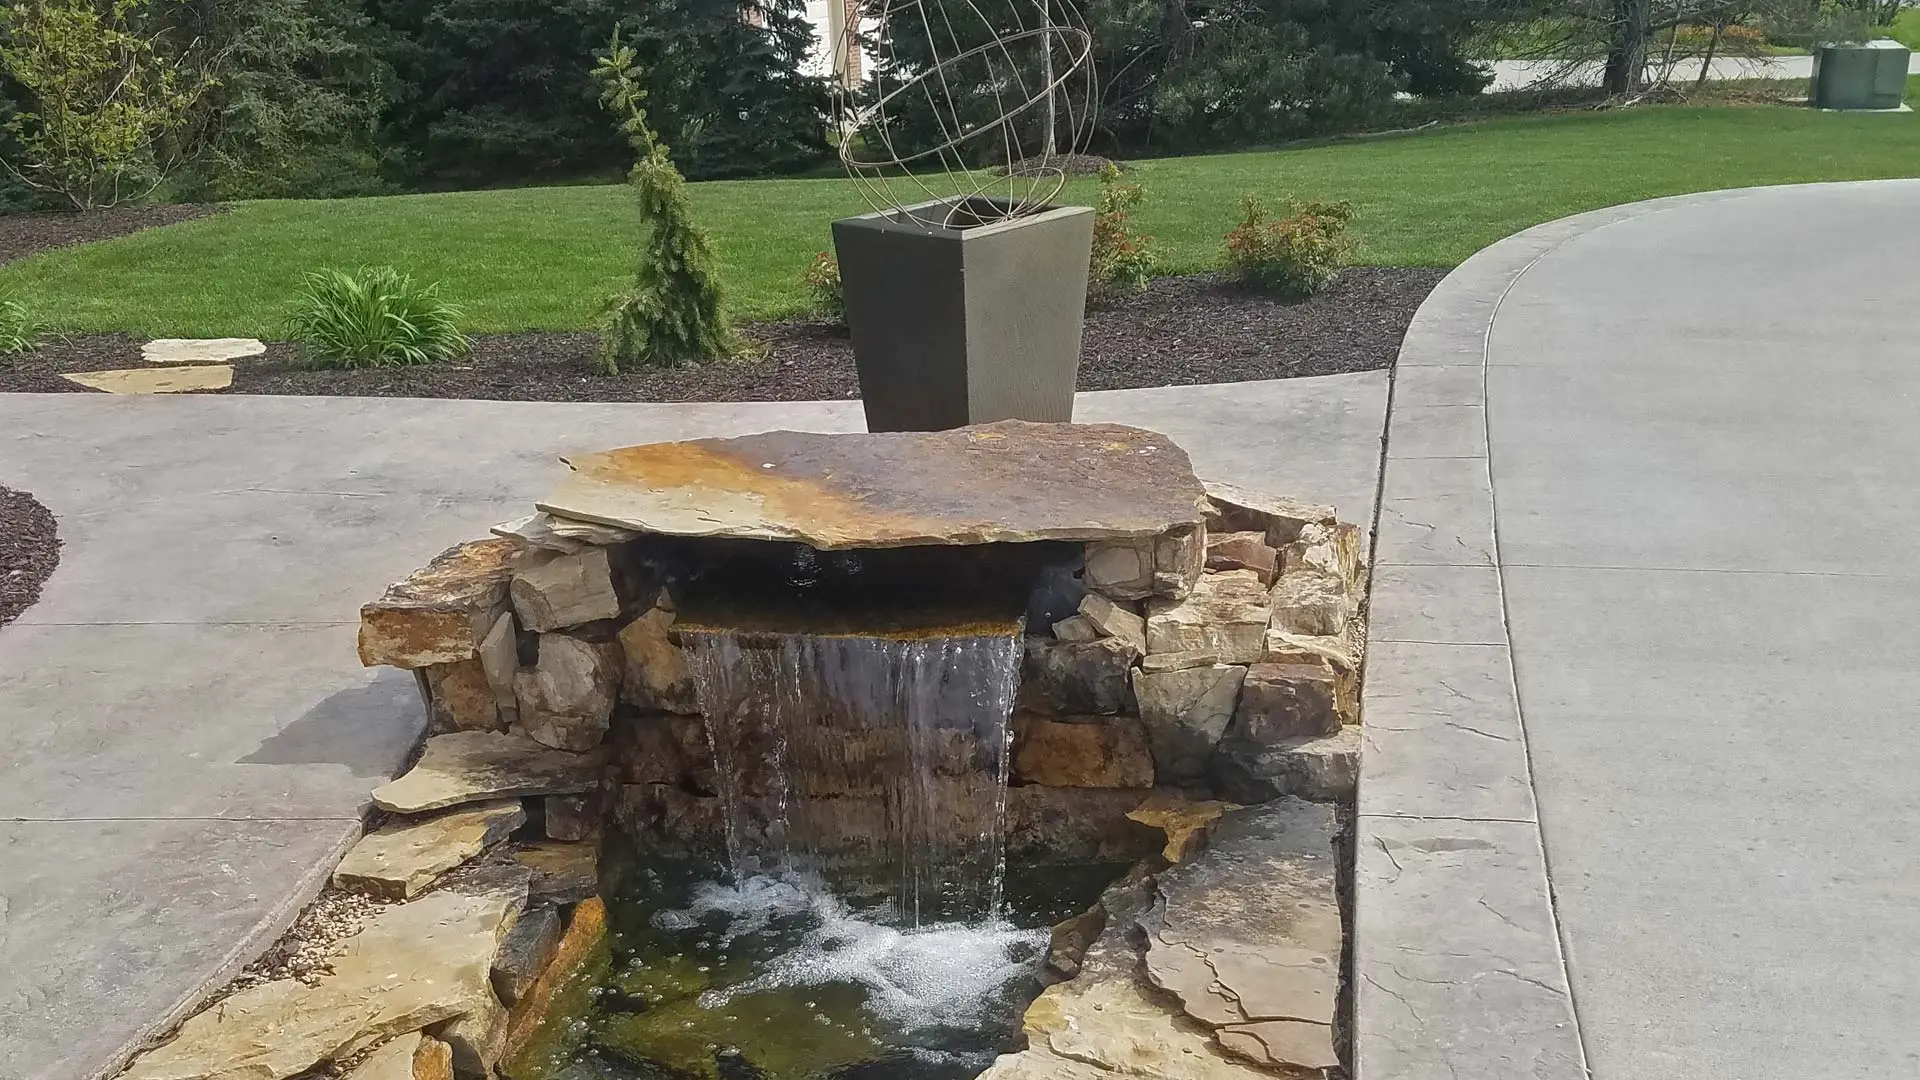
x=881 y=759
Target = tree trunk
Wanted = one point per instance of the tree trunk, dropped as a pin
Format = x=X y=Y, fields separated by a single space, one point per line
x=1627 y=52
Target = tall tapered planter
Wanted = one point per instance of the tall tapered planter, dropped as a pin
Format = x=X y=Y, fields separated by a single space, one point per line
x=961 y=322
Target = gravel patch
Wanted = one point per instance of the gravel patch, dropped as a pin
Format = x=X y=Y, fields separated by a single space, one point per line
x=29 y=234
x=1179 y=331
x=29 y=551
x=306 y=951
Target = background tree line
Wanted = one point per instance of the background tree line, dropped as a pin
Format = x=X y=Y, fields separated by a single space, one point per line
x=349 y=97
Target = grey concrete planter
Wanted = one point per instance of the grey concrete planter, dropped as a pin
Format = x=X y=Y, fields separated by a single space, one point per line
x=1870 y=75
x=965 y=324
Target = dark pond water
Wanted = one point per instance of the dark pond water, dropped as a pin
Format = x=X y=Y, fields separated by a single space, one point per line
x=776 y=978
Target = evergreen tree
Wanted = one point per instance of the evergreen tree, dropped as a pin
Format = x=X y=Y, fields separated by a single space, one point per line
x=300 y=86
x=727 y=87
x=672 y=315
x=496 y=90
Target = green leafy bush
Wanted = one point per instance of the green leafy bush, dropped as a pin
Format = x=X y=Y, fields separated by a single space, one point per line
x=374 y=317
x=822 y=279
x=1297 y=255
x=672 y=315
x=1122 y=258
x=19 y=333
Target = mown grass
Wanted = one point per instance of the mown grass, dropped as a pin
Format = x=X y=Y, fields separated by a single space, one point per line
x=546 y=258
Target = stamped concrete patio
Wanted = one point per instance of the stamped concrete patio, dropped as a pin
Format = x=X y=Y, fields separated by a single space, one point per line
x=1641 y=794
x=186 y=737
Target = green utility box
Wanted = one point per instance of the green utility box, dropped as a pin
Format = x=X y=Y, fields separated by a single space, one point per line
x=1870 y=75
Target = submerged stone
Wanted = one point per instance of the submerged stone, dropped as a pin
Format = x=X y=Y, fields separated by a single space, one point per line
x=1008 y=482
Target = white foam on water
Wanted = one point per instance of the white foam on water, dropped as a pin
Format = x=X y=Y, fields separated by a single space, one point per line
x=938 y=975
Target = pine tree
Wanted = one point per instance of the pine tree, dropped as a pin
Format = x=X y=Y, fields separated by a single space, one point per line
x=726 y=84
x=672 y=315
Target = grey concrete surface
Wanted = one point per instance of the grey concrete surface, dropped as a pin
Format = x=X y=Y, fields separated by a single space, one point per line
x=1520 y=74
x=1699 y=478
x=186 y=738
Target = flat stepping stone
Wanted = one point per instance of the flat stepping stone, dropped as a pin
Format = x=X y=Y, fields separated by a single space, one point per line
x=397 y=862
x=157 y=380
x=218 y=350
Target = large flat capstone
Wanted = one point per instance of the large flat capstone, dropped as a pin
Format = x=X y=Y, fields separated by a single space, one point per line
x=1008 y=482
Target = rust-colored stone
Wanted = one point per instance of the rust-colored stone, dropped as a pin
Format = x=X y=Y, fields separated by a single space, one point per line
x=585 y=929
x=1102 y=752
x=440 y=612
x=996 y=483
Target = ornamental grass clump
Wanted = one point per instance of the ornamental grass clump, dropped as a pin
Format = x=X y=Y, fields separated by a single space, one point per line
x=672 y=315
x=1297 y=255
x=19 y=331
x=1122 y=259
x=374 y=317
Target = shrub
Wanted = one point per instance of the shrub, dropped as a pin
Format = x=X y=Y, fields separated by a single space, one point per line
x=822 y=280
x=374 y=317
x=1299 y=254
x=111 y=106
x=672 y=315
x=1122 y=258
x=19 y=333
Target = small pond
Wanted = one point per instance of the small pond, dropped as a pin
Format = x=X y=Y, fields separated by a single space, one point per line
x=777 y=978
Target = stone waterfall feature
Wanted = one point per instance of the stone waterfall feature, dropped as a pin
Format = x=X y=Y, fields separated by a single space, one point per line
x=875 y=756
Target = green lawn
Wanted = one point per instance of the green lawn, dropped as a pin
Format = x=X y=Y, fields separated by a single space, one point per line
x=1905 y=29
x=545 y=258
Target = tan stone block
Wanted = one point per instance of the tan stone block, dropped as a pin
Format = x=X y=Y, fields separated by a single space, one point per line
x=563 y=873
x=553 y=591
x=567 y=697
x=173 y=352
x=157 y=380
x=399 y=861
x=414 y=965
x=1227 y=614
x=476 y=1040
x=1121 y=569
x=1179 y=557
x=1088 y=677
x=1108 y=752
x=1076 y=629
x=1334 y=548
x=1109 y=619
x=1311 y=603
x=1243 y=551
x=657 y=676
x=1186 y=712
x=460 y=698
x=1285 y=701
x=1237 y=509
x=471 y=766
x=441 y=612
x=1179 y=661
x=413 y=1056
x=500 y=662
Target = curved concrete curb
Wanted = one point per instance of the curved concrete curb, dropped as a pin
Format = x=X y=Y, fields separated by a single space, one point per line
x=1458 y=964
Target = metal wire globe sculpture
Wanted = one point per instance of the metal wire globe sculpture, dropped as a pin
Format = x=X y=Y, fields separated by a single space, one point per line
x=974 y=106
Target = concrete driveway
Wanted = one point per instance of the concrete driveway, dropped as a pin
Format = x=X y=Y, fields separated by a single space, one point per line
x=1642 y=791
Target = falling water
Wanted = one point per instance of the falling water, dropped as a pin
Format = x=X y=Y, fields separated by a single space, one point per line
x=883 y=757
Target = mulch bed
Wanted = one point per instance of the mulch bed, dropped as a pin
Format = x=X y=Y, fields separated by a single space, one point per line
x=29 y=234
x=29 y=550
x=1179 y=331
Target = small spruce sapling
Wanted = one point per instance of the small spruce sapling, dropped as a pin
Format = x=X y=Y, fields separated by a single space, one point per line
x=672 y=315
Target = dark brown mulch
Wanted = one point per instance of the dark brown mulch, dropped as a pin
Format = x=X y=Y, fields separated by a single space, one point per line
x=29 y=550
x=1071 y=164
x=29 y=234
x=1179 y=331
